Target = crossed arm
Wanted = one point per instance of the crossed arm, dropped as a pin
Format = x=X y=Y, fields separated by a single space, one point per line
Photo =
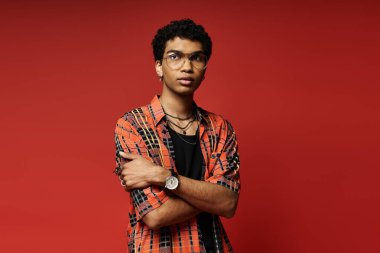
x=176 y=210
x=192 y=196
x=189 y=199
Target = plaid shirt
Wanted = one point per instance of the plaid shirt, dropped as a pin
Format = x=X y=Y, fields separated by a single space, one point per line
x=144 y=131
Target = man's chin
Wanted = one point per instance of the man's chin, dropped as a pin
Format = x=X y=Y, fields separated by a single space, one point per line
x=180 y=90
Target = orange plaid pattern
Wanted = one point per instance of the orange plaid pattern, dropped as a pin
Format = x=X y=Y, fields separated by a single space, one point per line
x=144 y=131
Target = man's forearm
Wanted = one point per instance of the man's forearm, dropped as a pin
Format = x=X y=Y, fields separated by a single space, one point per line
x=205 y=196
x=174 y=210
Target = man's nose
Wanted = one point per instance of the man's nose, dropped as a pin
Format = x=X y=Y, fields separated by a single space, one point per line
x=187 y=65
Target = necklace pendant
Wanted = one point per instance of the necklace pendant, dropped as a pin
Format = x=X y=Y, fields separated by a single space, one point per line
x=184 y=132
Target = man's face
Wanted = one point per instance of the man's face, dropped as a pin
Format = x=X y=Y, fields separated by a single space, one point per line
x=177 y=78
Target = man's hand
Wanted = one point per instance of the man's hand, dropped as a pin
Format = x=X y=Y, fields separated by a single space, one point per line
x=139 y=172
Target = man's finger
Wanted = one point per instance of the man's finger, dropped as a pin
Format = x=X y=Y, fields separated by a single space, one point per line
x=128 y=156
x=118 y=170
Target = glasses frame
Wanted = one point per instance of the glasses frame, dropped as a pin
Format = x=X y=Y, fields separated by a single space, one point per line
x=187 y=56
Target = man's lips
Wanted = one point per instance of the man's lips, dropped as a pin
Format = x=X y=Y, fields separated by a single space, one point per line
x=186 y=80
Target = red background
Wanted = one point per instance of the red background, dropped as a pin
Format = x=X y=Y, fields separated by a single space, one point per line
x=297 y=79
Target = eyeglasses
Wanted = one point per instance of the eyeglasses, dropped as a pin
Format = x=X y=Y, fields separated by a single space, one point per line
x=175 y=60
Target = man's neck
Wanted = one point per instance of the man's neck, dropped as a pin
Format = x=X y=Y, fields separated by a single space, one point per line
x=179 y=106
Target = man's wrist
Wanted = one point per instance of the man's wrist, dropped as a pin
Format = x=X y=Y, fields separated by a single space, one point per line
x=160 y=176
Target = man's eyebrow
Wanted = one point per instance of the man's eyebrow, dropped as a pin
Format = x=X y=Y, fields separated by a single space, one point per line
x=178 y=51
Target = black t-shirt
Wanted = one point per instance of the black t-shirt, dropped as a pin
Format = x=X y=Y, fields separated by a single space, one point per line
x=189 y=160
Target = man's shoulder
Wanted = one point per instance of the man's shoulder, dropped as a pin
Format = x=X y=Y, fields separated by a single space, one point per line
x=220 y=124
x=214 y=118
x=132 y=114
x=133 y=117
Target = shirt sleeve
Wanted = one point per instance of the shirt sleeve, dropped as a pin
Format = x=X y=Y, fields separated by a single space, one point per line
x=224 y=161
x=129 y=141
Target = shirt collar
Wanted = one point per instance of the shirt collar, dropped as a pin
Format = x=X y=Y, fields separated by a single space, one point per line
x=158 y=112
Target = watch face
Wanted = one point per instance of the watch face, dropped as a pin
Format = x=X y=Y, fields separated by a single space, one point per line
x=172 y=183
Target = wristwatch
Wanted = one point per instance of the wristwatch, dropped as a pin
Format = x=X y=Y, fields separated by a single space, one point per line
x=172 y=181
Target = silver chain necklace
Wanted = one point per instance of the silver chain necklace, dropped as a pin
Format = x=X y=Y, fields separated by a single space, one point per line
x=179 y=117
x=196 y=134
x=182 y=128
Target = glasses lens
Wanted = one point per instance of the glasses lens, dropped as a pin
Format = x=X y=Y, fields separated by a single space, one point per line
x=199 y=61
x=175 y=61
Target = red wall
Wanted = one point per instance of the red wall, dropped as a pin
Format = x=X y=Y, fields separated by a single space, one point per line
x=297 y=79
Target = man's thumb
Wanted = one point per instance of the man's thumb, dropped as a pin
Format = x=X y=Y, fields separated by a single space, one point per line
x=128 y=156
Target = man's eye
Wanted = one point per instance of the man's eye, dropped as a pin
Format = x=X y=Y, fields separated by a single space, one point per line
x=173 y=57
x=198 y=58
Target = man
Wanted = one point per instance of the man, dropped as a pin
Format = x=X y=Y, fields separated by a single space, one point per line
x=179 y=162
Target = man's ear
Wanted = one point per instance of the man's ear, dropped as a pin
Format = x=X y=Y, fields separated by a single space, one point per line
x=159 y=68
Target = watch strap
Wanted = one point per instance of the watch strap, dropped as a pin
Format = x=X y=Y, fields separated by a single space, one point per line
x=174 y=174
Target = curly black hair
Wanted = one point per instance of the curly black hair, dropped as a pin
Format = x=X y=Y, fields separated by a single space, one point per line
x=185 y=29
